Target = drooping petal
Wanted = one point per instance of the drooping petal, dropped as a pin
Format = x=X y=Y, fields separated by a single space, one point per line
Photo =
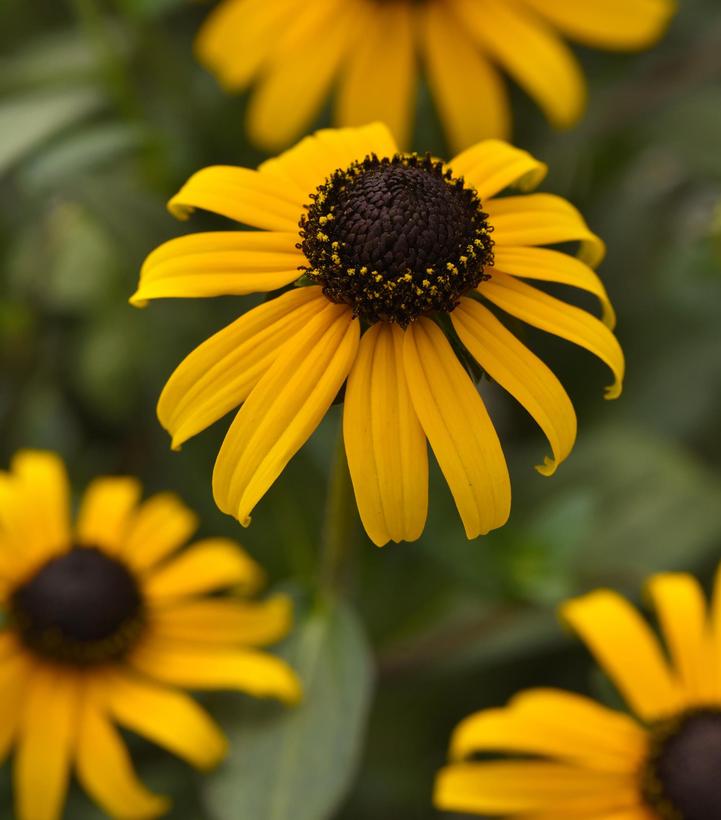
x=459 y=429
x=210 y=564
x=161 y=526
x=219 y=374
x=531 y=52
x=246 y=670
x=46 y=738
x=169 y=718
x=613 y=24
x=105 y=512
x=494 y=165
x=555 y=724
x=554 y=316
x=249 y=623
x=309 y=163
x=283 y=409
x=548 y=265
x=542 y=219
x=458 y=75
x=384 y=441
x=379 y=79
x=241 y=194
x=229 y=263
x=15 y=670
x=106 y=772
x=238 y=36
x=626 y=648
x=299 y=76
x=512 y=787
x=681 y=608
x=523 y=374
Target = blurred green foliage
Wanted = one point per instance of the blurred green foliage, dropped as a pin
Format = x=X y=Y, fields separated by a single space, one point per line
x=103 y=114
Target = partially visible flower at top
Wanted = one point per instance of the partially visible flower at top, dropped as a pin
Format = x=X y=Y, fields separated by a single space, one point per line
x=296 y=52
x=584 y=761
x=397 y=257
x=103 y=623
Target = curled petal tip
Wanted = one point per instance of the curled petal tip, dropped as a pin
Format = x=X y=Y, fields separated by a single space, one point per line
x=548 y=468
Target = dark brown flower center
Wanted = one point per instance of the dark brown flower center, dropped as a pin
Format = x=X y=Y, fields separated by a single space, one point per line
x=81 y=607
x=683 y=774
x=396 y=238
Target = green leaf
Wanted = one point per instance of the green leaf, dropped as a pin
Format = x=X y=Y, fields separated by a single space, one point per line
x=29 y=120
x=297 y=764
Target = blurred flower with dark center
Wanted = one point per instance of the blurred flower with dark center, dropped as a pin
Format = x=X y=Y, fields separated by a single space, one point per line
x=398 y=260
x=295 y=53
x=103 y=622
x=583 y=760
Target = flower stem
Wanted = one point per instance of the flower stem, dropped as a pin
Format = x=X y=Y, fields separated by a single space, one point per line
x=338 y=524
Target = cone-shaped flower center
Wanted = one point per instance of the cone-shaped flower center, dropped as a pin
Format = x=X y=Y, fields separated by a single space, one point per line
x=396 y=238
x=684 y=769
x=80 y=607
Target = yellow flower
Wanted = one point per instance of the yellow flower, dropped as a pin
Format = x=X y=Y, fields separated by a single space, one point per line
x=102 y=624
x=393 y=247
x=585 y=761
x=373 y=49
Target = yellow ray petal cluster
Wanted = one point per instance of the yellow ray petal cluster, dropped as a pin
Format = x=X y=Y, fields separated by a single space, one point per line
x=61 y=714
x=374 y=51
x=582 y=759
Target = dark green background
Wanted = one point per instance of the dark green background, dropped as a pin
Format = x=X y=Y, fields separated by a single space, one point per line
x=103 y=114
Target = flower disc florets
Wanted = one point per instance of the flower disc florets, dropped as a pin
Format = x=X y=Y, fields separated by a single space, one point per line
x=396 y=238
x=81 y=607
x=682 y=774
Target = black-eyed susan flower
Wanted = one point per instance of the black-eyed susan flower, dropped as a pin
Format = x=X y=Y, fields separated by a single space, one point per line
x=566 y=756
x=372 y=51
x=103 y=623
x=399 y=259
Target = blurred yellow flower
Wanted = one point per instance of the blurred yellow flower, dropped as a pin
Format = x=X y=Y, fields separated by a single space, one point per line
x=585 y=761
x=385 y=244
x=372 y=50
x=102 y=624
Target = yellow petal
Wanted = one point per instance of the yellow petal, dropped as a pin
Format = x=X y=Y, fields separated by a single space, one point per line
x=552 y=266
x=283 y=410
x=24 y=542
x=681 y=608
x=379 y=81
x=555 y=724
x=531 y=52
x=241 y=194
x=493 y=165
x=210 y=564
x=41 y=476
x=246 y=670
x=14 y=674
x=161 y=526
x=238 y=36
x=627 y=650
x=458 y=74
x=219 y=264
x=613 y=24
x=301 y=72
x=459 y=429
x=385 y=443
x=309 y=163
x=219 y=374
x=105 y=512
x=169 y=718
x=45 y=743
x=554 y=316
x=542 y=219
x=106 y=772
x=524 y=375
x=225 y=621
x=511 y=787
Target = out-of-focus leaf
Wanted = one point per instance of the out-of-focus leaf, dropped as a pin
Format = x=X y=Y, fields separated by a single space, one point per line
x=297 y=764
x=27 y=121
x=55 y=59
x=150 y=8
